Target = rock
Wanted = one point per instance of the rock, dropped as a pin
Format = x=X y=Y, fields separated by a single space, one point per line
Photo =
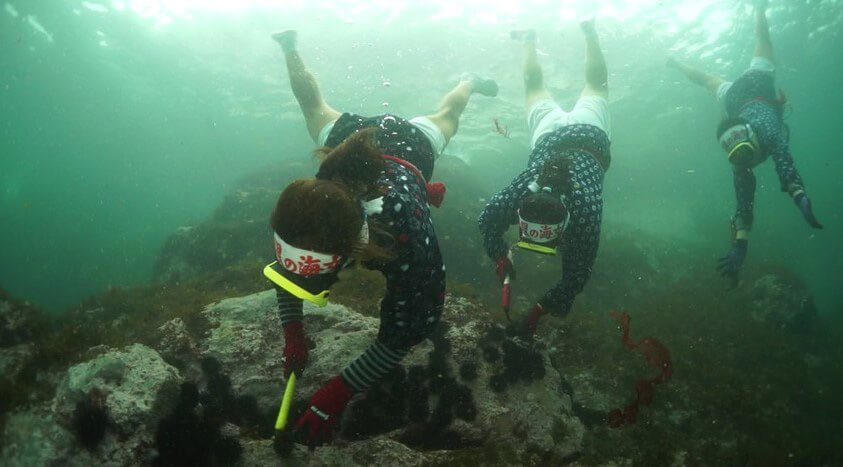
x=20 y=322
x=782 y=303
x=238 y=230
x=176 y=341
x=247 y=338
x=140 y=388
x=34 y=438
x=13 y=359
x=530 y=418
x=530 y=422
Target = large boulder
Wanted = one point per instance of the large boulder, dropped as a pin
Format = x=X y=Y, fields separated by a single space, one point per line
x=134 y=386
x=463 y=416
x=529 y=418
x=140 y=387
x=247 y=338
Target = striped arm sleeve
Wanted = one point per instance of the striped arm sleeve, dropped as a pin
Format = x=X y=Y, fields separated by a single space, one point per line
x=289 y=306
x=370 y=367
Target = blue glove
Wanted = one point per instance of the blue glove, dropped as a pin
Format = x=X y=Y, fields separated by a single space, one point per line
x=804 y=205
x=729 y=265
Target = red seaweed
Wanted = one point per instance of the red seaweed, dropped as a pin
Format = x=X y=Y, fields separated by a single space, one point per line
x=501 y=129
x=657 y=354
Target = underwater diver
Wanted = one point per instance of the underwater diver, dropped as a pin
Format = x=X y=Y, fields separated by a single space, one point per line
x=369 y=204
x=752 y=131
x=557 y=201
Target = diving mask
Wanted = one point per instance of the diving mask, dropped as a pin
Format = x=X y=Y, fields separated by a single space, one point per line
x=741 y=145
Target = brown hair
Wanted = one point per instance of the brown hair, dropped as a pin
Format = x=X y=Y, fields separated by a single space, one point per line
x=356 y=163
x=324 y=214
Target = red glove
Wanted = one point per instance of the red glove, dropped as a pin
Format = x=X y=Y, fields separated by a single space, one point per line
x=531 y=322
x=503 y=268
x=326 y=406
x=295 y=349
x=436 y=193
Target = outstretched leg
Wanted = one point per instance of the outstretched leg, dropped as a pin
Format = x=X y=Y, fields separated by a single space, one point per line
x=533 y=77
x=763 y=44
x=596 y=75
x=699 y=77
x=447 y=118
x=317 y=113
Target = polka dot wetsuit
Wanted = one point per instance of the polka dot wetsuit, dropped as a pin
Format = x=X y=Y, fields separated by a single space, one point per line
x=752 y=97
x=584 y=197
x=415 y=278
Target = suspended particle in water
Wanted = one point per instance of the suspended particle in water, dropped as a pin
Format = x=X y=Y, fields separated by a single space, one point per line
x=385 y=104
x=386 y=83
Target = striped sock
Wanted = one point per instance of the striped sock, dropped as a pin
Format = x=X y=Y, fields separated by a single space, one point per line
x=289 y=306
x=370 y=367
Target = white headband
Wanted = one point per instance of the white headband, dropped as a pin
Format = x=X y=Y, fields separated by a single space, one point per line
x=735 y=135
x=304 y=262
x=309 y=263
x=541 y=233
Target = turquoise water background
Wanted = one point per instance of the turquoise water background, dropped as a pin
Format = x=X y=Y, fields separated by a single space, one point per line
x=123 y=121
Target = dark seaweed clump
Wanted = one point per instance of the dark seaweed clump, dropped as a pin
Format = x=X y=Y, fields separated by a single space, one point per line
x=383 y=408
x=490 y=341
x=403 y=400
x=491 y=354
x=468 y=371
x=494 y=334
x=190 y=435
x=520 y=363
x=90 y=422
x=497 y=383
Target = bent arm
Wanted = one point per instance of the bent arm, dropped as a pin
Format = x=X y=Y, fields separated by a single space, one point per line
x=502 y=212
x=412 y=306
x=789 y=177
x=578 y=258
